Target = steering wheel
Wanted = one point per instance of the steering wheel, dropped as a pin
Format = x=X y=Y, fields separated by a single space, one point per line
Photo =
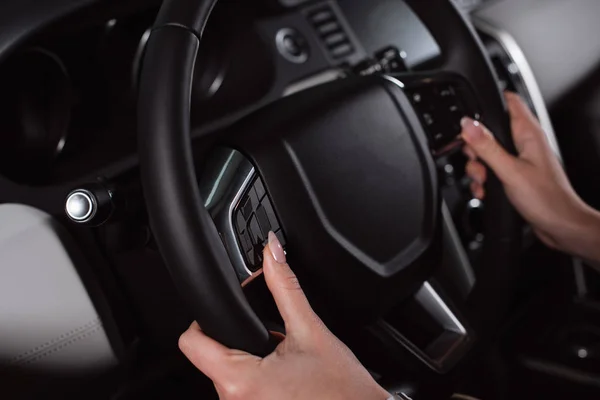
x=350 y=174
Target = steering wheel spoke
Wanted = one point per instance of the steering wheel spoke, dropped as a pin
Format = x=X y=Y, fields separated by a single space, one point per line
x=431 y=325
x=349 y=167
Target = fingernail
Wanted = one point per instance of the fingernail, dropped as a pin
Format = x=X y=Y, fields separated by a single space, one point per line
x=471 y=129
x=276 y=249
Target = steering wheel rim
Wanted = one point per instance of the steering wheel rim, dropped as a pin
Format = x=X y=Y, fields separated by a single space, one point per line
x=183 y=229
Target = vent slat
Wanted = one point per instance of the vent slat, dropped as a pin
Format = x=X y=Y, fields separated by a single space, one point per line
x=331 y=32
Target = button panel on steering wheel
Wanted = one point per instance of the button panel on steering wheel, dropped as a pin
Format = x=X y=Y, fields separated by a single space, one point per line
x=441 y=103
x=254 y=217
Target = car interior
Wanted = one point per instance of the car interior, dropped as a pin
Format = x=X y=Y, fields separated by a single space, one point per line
x=148 y=147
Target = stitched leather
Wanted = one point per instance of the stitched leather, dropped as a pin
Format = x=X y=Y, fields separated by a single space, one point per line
x=47 y=320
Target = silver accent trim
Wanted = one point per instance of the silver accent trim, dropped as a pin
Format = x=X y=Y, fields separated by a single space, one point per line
x=433 y=303
x=320 y=78
x=240 y=264
x=222 y=193
x=395 y=81
x=283 y=50
x=400 y=396
x=460 y=396
x=447 y=349
x=138 y=58
x=514 y=52
x=73 y=211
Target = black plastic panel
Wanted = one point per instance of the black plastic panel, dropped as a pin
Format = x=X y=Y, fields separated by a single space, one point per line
x=382 y=23
x=254 y=217
x=441 y=104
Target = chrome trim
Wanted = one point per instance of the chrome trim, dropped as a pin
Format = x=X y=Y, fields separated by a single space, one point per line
x=217 y=83
x=283 y=51
x=395 y=81
x=222 y=192
x=320 y=78
x=400 y=396
x=241 y=267
x=447 y=349
x=460 y=396
x=138 y=58
x=433 y=303
x=514 y=52
x=89 y=198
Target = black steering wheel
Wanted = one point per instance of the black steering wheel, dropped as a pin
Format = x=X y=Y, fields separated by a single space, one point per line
x=349 y=171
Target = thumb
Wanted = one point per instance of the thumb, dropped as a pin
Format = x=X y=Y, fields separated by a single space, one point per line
x=285 y=288
x=484 y=145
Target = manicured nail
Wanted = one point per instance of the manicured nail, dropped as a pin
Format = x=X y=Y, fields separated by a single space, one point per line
x=276 y=249
x=471 y=129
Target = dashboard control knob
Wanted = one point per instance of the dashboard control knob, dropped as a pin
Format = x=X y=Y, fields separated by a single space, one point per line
x=81 y=205
x=292 y=45
x=90 y=204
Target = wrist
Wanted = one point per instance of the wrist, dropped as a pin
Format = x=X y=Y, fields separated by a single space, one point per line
x=584 y=238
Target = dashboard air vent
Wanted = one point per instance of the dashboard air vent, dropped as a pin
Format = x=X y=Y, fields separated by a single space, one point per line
x=331 y=31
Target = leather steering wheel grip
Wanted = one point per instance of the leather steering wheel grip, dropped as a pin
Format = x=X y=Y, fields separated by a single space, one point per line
x=464 y=53
x=186 y=235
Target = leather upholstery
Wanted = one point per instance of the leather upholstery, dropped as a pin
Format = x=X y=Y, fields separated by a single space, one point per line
x=47 y=320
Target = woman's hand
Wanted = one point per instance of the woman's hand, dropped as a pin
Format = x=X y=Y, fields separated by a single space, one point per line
x=310 y=363
x=535 y=182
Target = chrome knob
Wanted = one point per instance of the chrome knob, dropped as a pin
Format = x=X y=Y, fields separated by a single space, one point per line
x=81 y=206
x=90 y=204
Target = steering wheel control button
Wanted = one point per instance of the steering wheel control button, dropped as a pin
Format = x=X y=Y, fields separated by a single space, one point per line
x=392 y=60
x=271 y=214
x=80 y=206
x=260 y=189
x=281 y=238
x=263 y=219
x=446 y=92
x=256 y=234
x=292 y=45
x=441 y=105
x=254 y=218
x=240 y=223
x=428 y=119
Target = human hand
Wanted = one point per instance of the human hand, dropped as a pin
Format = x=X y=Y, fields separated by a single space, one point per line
x=310 y=363
x=535 y=182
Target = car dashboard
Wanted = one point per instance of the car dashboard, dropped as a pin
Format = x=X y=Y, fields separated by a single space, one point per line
x=70 y=90
x=69 y=82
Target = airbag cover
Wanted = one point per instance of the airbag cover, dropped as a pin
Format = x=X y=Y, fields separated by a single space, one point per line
x=369 y=179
